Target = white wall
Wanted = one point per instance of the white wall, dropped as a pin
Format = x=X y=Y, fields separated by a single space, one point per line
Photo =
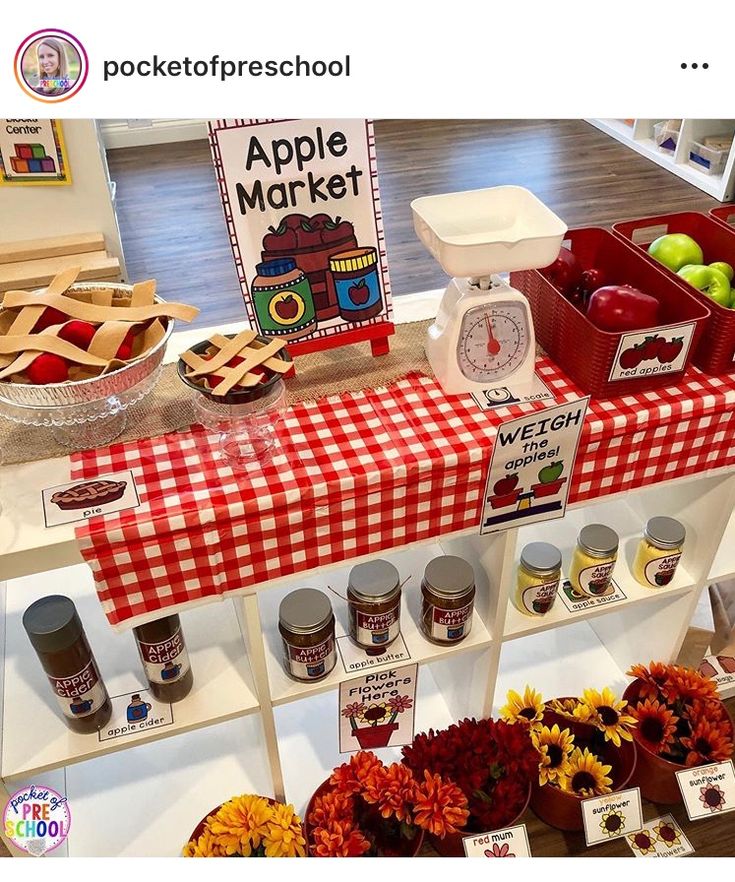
x=142 y=132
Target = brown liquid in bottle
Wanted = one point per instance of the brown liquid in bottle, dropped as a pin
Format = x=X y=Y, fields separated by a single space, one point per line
x=55 y=631
x=165 y=660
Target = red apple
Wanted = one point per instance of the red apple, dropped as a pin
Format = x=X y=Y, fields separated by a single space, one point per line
x=669 y=349
x=565 y=273
x=79 y=333
x=48 y=368
x=319 y=221
x=337 y=231
x=294 y=221
x=622 y=308
x=125 y=349
x=288 y=307
x=307 y=237
x=281 y=238
x=591 y=280
x=359 y=294
x=48 y=317
x=505 y=485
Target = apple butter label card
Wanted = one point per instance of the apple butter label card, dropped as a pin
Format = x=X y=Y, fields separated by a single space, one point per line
x=377 y=710
x=612 y=815
x=80 y=500
x=721 y=669
x=301 y=201
x=708 y=790
x=574 y=600
x=136 y=712
x=661 y=837
x=645 y=355
x=355 y=659
x=512 y=842
x=531 y=467
x=502 y=396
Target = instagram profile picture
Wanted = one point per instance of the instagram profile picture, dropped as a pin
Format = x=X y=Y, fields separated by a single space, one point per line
x=51 y=65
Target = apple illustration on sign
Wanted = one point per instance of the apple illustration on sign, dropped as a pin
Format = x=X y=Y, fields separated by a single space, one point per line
x=287 y=308
x=505 y=485
x=359 y=293
x=551 y=473
x=668 y=350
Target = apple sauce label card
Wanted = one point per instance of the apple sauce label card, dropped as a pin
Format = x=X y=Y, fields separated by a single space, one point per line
x=136 y=712
x=88 y=498
x=575 y=600
x=512 y=842
x=612 y=815
x=354 y=658
x=502 y=396
x=532 y=466
x=661 y=837
x=662 y=351
x=708 y=791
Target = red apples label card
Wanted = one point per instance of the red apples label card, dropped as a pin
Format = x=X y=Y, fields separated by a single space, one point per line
x=708 y=791
x=80 y=500
x=661 y=837
x=377 y=710
x=511 y=842
x=662 y=351
x=532 y=466
x=612 y=815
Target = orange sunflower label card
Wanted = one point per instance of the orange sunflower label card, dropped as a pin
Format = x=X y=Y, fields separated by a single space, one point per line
x=708 y=790
x=612 y=816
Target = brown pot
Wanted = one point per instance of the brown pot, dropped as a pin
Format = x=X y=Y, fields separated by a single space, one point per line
x=655 y=775
x=564 y=810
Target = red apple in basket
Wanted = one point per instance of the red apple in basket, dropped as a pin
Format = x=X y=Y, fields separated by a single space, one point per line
x=591 y=280
x=307 y=236
x=320 y=221
x=505 y=485
x=280 y=238
x=294 y=221
x=360 y=293
x=565 y=273
x=337 y=231
x=622 y=308
x=78 y=333
x=287 y=308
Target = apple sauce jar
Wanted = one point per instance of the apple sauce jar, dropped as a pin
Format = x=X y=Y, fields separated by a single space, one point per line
x=306 y=623
x=448 y=599
x=594 y=560
x=354 y=280
x=284 y=305
x=538 y=578
x=659 y=552
x=374 y=603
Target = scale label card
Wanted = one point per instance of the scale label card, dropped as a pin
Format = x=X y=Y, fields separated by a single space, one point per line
x=503 y=396
x=708 y=791
x=650 y=354
x=511 y=842
x=661 y=837
x=531 y=467
x=612 y=815
x=90 y=498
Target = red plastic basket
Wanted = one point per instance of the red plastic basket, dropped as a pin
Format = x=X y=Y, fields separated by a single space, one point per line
x=725 y=214
x=591 y=357
x=716 y=354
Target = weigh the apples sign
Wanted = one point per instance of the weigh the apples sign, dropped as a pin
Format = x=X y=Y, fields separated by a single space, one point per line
x=302 y=207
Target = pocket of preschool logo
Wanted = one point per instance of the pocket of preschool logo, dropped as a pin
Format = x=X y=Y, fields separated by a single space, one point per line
x=37 y=819
x=51 y=65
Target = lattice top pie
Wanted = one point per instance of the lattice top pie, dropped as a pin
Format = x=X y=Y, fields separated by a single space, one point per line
x=89 y=494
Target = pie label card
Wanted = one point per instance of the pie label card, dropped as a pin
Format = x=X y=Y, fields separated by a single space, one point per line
x=502 y=396
x=708 y=791
x=136 y=712
x=575 y=601
x=377 y=710
x=511 y=842
x=720 y=668
x=661 y=837
x=89 y=498
x=612 y=815
x=649 y=354
x=354 y=658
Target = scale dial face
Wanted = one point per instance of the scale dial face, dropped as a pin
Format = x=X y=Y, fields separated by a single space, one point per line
x=493 y=341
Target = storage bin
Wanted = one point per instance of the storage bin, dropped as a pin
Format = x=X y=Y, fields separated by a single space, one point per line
x=592 y=357
x=716 y=353
x=707 y=159
x=725 y=214
x=666 y=134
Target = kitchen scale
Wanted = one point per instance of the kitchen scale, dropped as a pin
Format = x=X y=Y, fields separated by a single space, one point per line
x=482 y=340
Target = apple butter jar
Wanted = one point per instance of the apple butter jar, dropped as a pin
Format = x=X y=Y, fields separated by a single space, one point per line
x=374 y=603
x=448 y=598
x=306 y=623
x=164 y=657
x=55 y=631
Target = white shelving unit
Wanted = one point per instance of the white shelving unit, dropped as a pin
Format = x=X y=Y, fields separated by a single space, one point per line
x=639 y=137
x=246 y=727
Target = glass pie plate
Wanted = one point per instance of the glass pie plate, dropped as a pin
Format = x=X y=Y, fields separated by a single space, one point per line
x=86 y=413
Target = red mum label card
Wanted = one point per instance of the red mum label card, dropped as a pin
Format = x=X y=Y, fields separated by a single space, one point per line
x=661 y=837
x=612 y=815
x=654 y=352
x=511 y=842
x=708 y=791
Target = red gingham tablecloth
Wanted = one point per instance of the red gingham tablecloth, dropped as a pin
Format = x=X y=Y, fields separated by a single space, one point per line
x=359 y=474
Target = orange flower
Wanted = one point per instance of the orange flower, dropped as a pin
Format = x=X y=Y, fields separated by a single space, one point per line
x=340 y=840
x=331 y=806
x=440 y=806
x=708 y=743
x=351 y=777
x=656 y=724
x=205 y=846
x=655 y=679
x=690 y=685
x=393 y=788
x=714 y=711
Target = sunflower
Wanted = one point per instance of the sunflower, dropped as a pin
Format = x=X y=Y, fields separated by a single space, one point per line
x=656 y=725
x=655 y=680
x=708 y=743
x=374 y=714
x=529 y=709
x=690 y=685
x=668 y=833
x=555 y=746
x=587 y=776
x=642 y=842
x=607 y=713
x=612 y=823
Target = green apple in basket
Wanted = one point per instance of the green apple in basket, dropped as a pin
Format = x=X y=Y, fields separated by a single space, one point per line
x=709 y=280
x=676 y=250
x=724 y=268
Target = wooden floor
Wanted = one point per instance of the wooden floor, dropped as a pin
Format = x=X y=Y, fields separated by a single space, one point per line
x=173 y=230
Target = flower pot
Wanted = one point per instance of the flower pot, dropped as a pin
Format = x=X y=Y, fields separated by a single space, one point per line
x=370 y=737
x=504 y=500
x=550 y=489
x=404 y=848
x=564 y=810
x=451 y=845
x=655 y=775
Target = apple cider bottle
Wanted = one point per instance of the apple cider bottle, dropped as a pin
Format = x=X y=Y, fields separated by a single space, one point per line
x=165 y=660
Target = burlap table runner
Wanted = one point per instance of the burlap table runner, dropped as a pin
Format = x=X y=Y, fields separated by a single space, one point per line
x=169 y=407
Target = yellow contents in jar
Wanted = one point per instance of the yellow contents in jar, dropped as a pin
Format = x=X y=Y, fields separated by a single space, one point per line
x=594 y=560
x=659 y=552
x=538 y=579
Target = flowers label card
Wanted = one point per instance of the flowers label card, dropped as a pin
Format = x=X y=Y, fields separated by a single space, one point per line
x=708 y=790
x=661 y=837
x=511 y=842
x=612 y=815
x=354 y=658
x=721 y=669
x=377 y=710
x=80 y=500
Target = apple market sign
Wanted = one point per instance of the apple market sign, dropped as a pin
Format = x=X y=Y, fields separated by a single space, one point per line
x=531 y=467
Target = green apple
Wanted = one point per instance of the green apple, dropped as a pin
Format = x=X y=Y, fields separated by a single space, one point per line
x=724 y=268
x=676 y=250
x=551 y=473
x=709 y=280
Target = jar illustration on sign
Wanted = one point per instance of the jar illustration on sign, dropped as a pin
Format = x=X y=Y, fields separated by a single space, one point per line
x=284 y=306
x=354 y=278
x=137 y=709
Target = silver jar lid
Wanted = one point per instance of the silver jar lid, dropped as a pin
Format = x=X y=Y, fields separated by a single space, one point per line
x=541 y=558
x=449 y=576
x=665 y=532
x=373 y=581
x=305 y=611
x=598 y=540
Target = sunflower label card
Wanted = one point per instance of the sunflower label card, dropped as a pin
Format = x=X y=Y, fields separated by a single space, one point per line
x=377 y=710
x=661 y=837
x=708 y=791
x=612 y=815
x=511 y=842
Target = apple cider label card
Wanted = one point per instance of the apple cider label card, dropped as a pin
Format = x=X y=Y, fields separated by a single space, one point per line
x=80 y=500
x=663 y=351
x=708 y=791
